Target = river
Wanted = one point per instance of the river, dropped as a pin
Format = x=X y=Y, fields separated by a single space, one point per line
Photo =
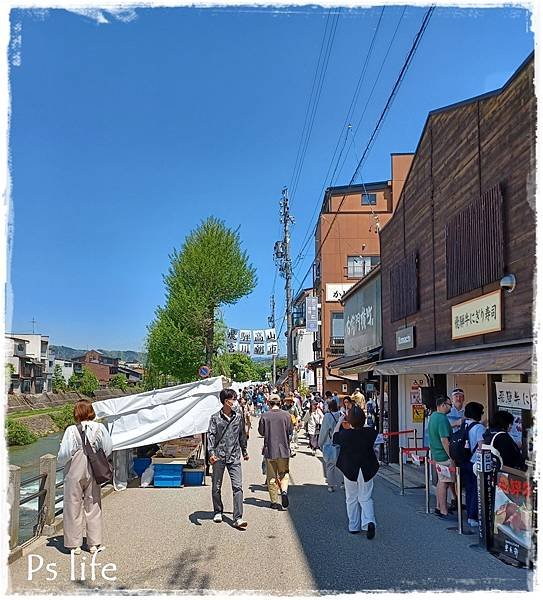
x=28 y=458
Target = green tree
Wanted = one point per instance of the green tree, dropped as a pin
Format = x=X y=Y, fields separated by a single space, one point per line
x=118 y=381
x=89 y=382
x=211 y=270
x=59 y=383
x=18 y=434
x=236 y=366
x=74 y=382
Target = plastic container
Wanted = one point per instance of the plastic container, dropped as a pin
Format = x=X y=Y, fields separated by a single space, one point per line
x=168 y=476
x=140 y=464
x=193 y=477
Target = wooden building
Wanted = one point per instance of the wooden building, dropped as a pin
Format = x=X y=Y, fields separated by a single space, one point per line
x=458 y=256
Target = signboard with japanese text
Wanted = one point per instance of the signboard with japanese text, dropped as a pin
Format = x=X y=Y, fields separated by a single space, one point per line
x=312 y=314
x=232 y=335
x=513 y=515
x=362 y=318
x=335 y=291
x=515 y=395
x=270 y=335
x=477 y=316
x=245 y=335
x=271 y=348
x=258 y=336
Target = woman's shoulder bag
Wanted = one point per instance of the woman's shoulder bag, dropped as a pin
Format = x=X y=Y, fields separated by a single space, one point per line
x=99 y=464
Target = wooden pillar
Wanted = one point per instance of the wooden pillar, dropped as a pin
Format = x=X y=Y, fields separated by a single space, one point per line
x=14 y=498
x=48 y=467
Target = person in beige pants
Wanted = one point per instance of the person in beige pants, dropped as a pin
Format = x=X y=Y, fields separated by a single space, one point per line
x=82 y=495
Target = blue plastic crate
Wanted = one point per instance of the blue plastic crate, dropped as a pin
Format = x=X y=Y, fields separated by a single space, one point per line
x=193 y=476
x=140 y=464
x=168 y=475
x=167 y=481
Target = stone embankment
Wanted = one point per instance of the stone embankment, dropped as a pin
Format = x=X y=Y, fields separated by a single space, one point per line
x=25 y=402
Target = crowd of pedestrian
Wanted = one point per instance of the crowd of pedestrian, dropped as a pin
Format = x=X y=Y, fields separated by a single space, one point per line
x=343 y=429
x=455 y=432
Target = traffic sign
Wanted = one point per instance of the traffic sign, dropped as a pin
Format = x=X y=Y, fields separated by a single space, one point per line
x=204 y=371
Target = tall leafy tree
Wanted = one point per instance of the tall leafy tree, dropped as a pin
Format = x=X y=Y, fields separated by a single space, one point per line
x=89 y=382
x=211 y=270
x=59 y=383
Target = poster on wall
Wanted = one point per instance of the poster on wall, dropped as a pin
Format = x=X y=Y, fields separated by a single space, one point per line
x=516 y=429
x=415 y=395
x=418 y=413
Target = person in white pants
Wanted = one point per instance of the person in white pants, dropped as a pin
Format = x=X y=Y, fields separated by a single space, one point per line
x=359 y=465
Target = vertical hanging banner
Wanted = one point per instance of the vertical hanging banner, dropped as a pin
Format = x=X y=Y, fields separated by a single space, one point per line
x=271 y=348
x=231 y=346
x=270 y=335
x=312 y=314
x=245 y=348
x=232 y=335
x=258 y=336
x=245 y=335
x=258 y=349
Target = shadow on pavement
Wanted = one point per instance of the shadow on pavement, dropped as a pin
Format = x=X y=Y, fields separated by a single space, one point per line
x=410 y=552
x=57 y=542
x=200 y=515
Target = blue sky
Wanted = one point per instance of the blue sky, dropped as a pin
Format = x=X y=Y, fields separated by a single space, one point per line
x=126 y=134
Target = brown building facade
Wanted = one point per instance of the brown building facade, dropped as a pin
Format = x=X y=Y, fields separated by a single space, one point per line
x=347 y=248
x=458 y=256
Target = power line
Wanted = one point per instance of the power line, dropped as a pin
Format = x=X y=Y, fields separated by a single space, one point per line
x=380 y=121
x=314 y=100
x=373 y=87
x=350 y=112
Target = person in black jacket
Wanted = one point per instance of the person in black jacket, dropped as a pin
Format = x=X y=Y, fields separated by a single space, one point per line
x=502 y=445
x=358 y=463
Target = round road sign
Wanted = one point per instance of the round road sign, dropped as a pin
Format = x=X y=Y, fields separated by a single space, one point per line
x=204 y=371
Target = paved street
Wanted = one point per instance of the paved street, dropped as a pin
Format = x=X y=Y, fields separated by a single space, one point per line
x=164 y=539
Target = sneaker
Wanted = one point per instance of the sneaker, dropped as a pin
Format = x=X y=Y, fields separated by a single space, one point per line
x=76 y=550
x=331 y=489
x=276 y=506
x=94 y=549
x=217 y=518
x=240 y=524
x=284 y=499
x=371 y=531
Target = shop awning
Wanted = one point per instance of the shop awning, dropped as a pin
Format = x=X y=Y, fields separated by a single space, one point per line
x=499 y=359
x=358 y=363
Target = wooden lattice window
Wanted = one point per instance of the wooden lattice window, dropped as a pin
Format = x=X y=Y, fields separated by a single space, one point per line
x=474 y=243
x=404 y=288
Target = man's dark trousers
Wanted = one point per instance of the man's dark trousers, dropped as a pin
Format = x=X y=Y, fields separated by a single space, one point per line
x=234 y=470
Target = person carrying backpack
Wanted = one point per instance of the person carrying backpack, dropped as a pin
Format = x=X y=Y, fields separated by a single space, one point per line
x=463 y=446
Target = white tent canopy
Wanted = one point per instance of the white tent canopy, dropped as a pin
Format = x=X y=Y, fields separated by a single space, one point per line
x=160 y=415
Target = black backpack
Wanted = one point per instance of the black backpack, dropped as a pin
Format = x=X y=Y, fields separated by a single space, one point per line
x=459 y=448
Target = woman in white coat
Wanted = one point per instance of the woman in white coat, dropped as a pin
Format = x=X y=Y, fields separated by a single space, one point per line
x=313 y=418
x=82 y=495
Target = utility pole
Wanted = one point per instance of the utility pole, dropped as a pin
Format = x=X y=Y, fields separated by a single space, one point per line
x=271 y=323
x=282 y=255
x=33 y=324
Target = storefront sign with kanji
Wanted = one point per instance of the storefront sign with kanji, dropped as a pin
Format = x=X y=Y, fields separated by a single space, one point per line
x=477 y=316
x=515 y=395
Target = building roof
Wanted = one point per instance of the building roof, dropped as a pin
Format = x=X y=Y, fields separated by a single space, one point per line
x=358 y=188
x=301 y=295
x=461 y=103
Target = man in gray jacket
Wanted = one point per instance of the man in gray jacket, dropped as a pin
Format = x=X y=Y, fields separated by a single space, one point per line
x=227 y=441
x=276 y=427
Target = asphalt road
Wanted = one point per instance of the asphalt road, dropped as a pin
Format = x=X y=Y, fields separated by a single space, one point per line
x=165 y=539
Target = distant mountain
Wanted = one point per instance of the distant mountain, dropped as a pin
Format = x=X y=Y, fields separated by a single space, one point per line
x=67 y=353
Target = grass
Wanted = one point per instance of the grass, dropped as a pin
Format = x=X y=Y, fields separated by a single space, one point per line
x=37 y=411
